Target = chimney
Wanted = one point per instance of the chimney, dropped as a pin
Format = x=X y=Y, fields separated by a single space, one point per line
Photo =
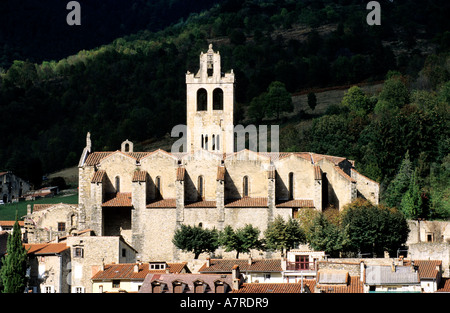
x=28 y=209
x=208 y=262
x=393 y=267
x=136 y=268
x=413 y=268
x=235 y=277
x=250 y=260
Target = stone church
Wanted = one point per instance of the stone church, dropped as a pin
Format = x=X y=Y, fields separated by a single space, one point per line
x=145 y=196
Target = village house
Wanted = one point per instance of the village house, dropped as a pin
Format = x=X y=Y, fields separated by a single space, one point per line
x=130 y=277
x=48 y=267
x=193 y=283
x=12 y=187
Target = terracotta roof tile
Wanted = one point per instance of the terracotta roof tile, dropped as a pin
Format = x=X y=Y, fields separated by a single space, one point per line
x=127 y=271
x=11 y=223
x=98 y=176
x=119 y=199
x=296 y=204
x=355 y=285
x=317 y=172
x=247 y=202
x=428 y=268
x=45 y=248
x=164 y=203
x=444 y=286
x=43 y=206
x=258 y=265
x=139 y=176
x=201 y=204
x=276 y=287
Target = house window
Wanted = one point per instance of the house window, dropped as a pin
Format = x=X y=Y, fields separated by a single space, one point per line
x=199 y=287
x=79 y=289
x=48 y=289
x=78 y=252
x=116 y=283
x=178 y=287
x=213 y=142
x=202 y=99
x=203 y=142
x=220 y=287
x=218 y=142
x=206 y=142
x=201 y=187
x=61 y=226
x=245 y=186
x=156 y=288
x=124 y=253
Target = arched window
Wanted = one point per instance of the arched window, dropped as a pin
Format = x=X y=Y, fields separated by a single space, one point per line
x=245 y=186
x=202 y=100
x=213 y=142
x=203 y=142
x=201 y=187
x=117 y=181
x=206 y=142
x=217 y=99
x=291 y=186
x=158 y=191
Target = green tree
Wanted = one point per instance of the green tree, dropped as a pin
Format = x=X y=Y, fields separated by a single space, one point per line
x=257 y=108
x=14 y=264
x=400 y=183
x=356 y=100
x=325 y=236
x=312 y=100
x=283 y=235
x=395 y=92
x=277 y=100
x=241 y=240
x=196 y=239
x=373 y=229
x=411 y=203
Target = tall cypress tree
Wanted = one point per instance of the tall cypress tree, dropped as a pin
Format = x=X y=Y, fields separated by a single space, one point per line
x=14 y=264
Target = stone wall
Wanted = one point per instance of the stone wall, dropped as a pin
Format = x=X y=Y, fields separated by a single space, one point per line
x=431 y=251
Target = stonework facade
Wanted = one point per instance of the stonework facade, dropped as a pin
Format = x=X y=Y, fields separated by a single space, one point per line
x=145 y=196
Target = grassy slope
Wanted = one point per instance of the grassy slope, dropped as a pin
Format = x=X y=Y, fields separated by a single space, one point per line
x=8 y=211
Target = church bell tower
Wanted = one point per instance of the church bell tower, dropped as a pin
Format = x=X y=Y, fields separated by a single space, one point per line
x=210 y=104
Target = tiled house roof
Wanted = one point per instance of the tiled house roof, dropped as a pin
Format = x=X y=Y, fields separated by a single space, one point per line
x=163 y=203
x=11 y=223
x=354 y=285
x=308 y=284
x=139 y=176
x=444 y=285
x=128 y=271
x=247 y=202
x=201 y=204
x=257 y=265
x=119 y=199
x=295 y=204
x=98 y=176
x=188 y=282
x=428 y=268
x=45 y=248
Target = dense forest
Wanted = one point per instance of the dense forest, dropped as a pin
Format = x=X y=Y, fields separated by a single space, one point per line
x=133 y=87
